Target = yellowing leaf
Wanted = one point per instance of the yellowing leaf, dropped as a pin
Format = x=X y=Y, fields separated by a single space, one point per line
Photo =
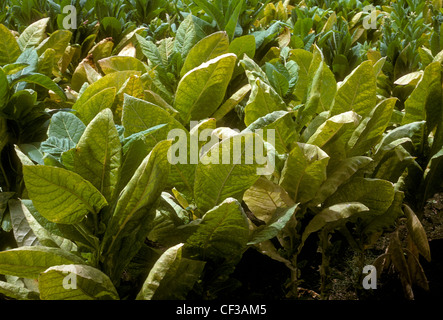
x=98 y=154
x=60 y=195
x=206 y=49
x=201 y=91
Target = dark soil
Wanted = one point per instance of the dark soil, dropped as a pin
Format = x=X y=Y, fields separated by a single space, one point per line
x=263 y=278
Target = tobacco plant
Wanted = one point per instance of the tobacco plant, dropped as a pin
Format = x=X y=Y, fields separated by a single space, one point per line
x=92 y=121
x=25 y=79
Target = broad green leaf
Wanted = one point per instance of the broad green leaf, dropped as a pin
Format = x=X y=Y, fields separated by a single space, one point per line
x=40 y=80
x=12 y=68
x=58 y=41
x=338 y=175
x=49 y=233
x=222 y=233
x=265 y=197
x=32 y=152
x=121 y=63
x=303 y=59
x=385 y=222
x=232 y=102
x=135 y=148
x=29 y=262
x=135 y=208
x=33 y=34
x=169 y=221
x=378 y=66
x=84 y=74
x=410 y=78
x=47 y=62
x=228 y=169
x=18 y=292
x=333 y=135
x=140 y=115
x=340 y=65
x=371 y=129
x=320 y=95
x=159 y=82
x=152 y=97
x=65 y=125
x=23 y=234
x=376 y=194
x=86 y=110
x=4 y=198
x=133 y=87
x=278 y=221
x=313 y=125
x=268 y=249
x=394 y=163
x=279 y=77
x=98 y=154
x=188 y=34
x=102 y=49
x=9 y=48
x=171 y=277
x=29 y=57
x=150 y=51
x=201 y=91
x=127 y=39
x=60 y=195
x=4 y=89
x=44 y=237
x=315 y=62
x=182 y=173
x=75 y=282
x=214 y=10
x=282 y=127
x=424 y=103
x=114 y=79
x=206 y=49
x=133 y=138
x=232 y=19
x=166 y=49
x=67 y=159
x=414 y=131
x=304 y=172
x=24 y=159
x=253 y=70
x=241 y=46
x=432 y=176
x=333 y=213
x=56 y=146
x=69 y=54
x=262 y=101
x=357 y=91
x=52 y=160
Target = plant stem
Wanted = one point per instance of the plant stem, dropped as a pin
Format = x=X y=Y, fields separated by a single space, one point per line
x=93 y=241
x=294 y=277
x=8 y=185
x=324 y=268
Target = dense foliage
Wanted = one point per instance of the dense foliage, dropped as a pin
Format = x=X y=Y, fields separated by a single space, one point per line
x=91 y=206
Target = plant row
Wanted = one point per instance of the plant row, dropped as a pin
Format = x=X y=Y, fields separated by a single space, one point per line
x=88 y=188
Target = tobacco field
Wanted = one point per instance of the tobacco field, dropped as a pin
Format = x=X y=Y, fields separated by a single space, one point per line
x=343 y=98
